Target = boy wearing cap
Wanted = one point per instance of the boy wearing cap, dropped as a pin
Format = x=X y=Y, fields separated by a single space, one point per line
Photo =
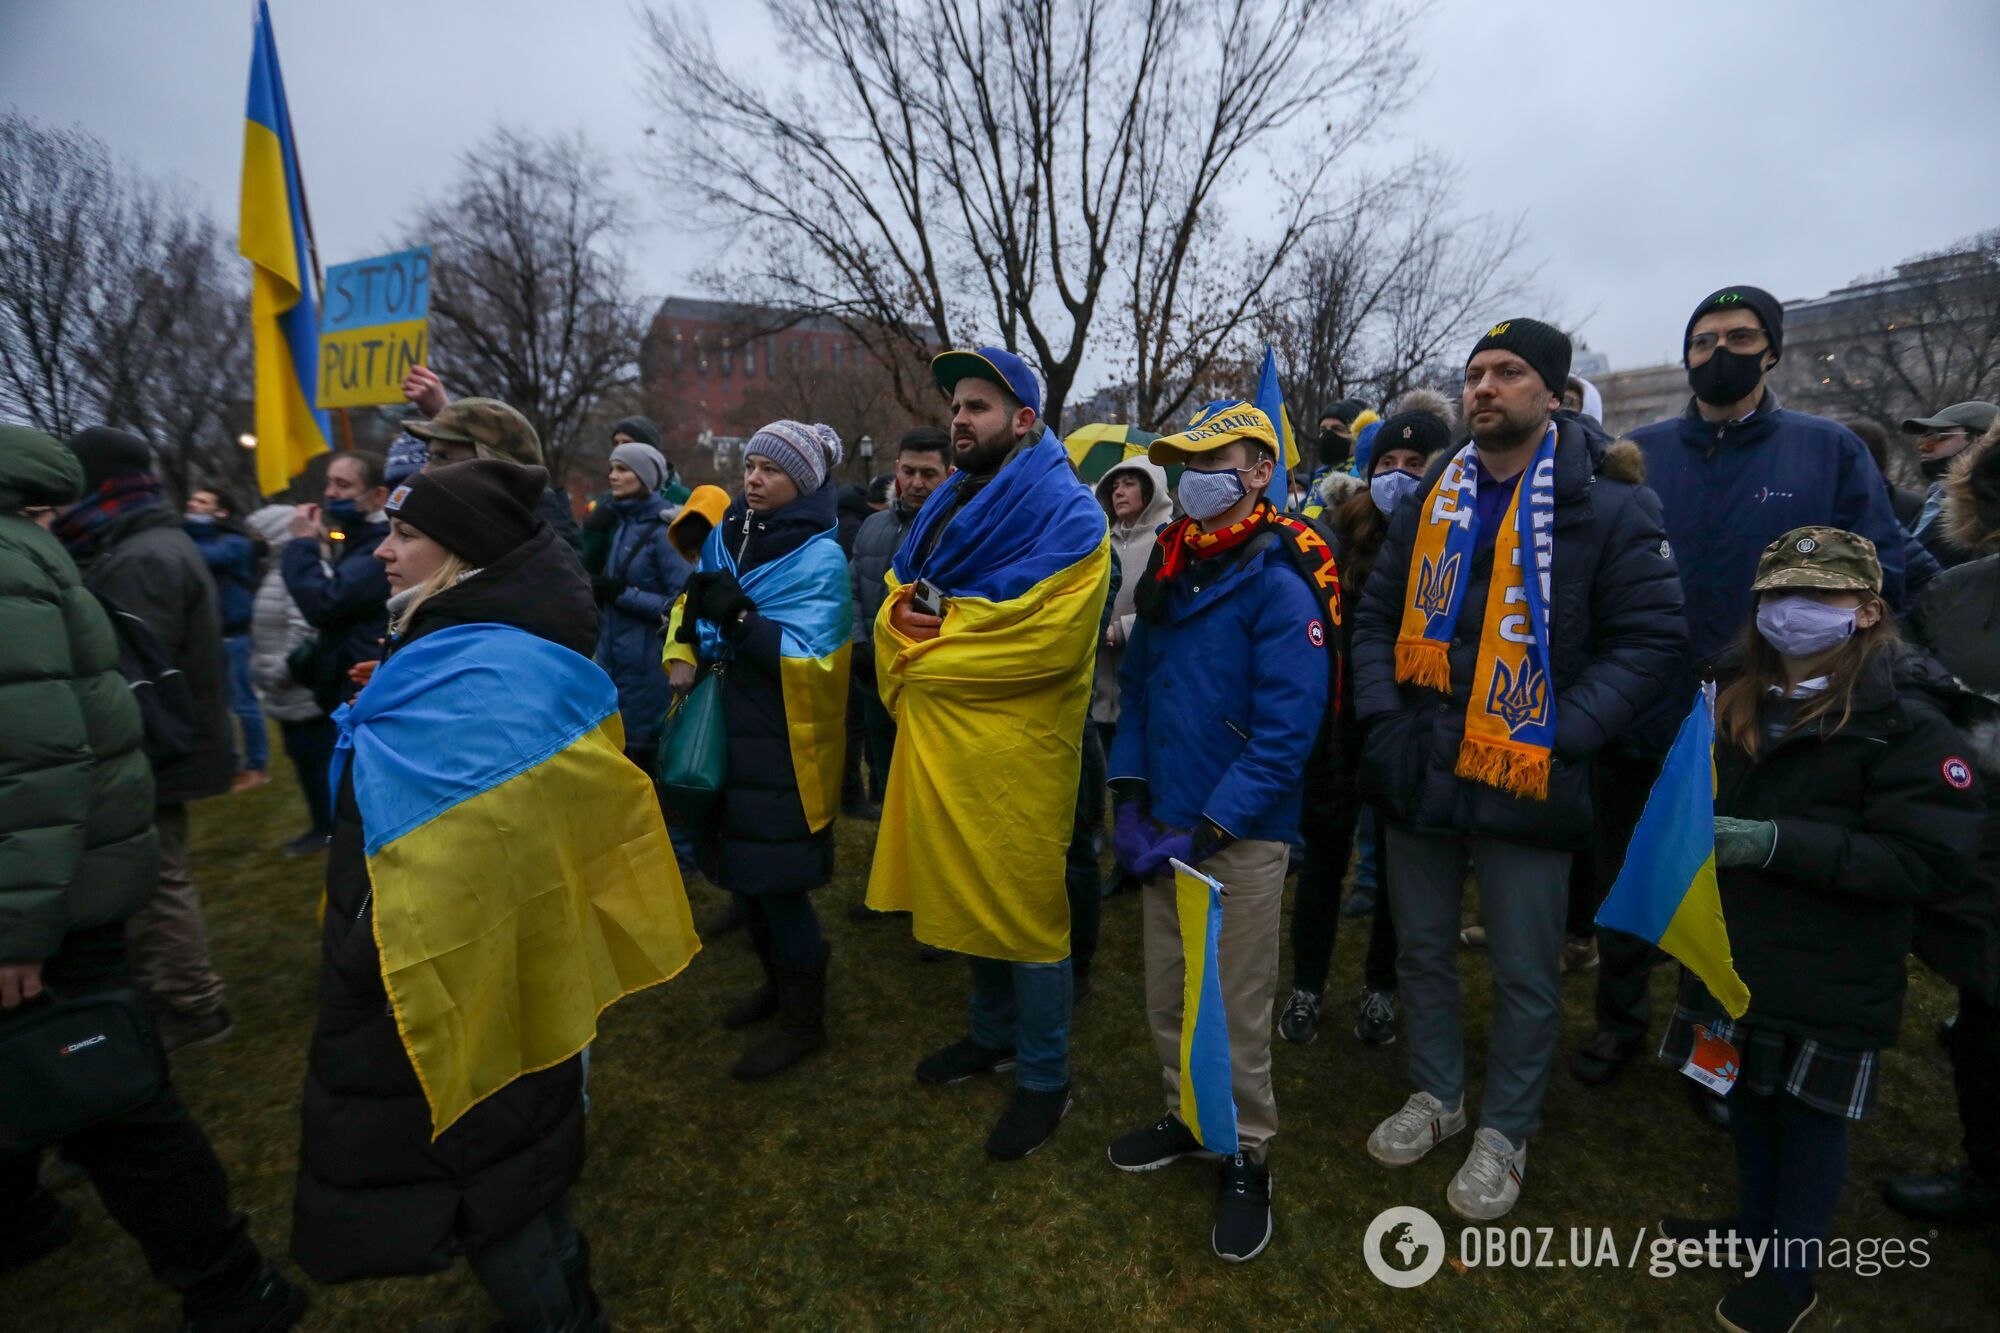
x=1223 y=692
x=1520 y=614
x=989 y=699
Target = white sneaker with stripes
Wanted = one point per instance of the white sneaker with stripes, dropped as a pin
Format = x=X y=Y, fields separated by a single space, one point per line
x=1420 y=1126
x=1489 y=1183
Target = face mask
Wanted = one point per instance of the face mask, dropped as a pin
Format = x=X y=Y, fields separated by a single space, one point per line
x=206 y=520
x=1206 y=494
x=1334 y=448
x=1936 y=469
x=1387 y=489
x=1726 y=377
x=343 y=510
x=1802 y=627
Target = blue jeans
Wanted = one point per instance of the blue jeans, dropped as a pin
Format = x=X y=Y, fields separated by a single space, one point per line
x=1791 y=1162
x=256 y=753
x=1024 y=1007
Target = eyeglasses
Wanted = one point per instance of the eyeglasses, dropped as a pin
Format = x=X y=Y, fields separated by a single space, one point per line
x=1737 y=340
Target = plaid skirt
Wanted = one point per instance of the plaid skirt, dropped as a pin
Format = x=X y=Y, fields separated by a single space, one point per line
x=1830 y=1079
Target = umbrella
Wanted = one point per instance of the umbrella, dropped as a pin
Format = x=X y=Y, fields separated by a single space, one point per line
x=1103 y=445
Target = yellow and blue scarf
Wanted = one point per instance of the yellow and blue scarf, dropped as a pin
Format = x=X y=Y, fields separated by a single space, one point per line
x=1510 y=720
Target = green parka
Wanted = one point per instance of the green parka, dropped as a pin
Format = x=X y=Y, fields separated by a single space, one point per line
x=76 y=794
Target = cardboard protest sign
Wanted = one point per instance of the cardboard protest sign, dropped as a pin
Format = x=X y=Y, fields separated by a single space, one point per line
x=374 y=326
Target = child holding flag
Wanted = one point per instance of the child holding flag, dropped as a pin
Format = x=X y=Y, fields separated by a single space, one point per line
x=1224 y=689
x=1843 y=798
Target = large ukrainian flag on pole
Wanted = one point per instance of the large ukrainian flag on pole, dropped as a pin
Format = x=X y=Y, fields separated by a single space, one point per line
x=1271 y=402
x=1667 y=892
x=990 y=713
x=523 y=881
x=284 y=300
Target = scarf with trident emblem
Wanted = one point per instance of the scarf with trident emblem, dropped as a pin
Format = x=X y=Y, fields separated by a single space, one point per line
x=1510 y=720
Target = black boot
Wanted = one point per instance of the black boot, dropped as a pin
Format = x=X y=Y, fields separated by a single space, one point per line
x=801 y=1026
x=763 y=1002
x=582 y=1296
x=731 y=917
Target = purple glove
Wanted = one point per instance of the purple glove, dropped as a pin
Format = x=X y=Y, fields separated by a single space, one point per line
x=1179 y=846
x=1131 y=836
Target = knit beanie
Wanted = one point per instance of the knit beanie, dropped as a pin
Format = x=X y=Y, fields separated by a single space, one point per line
x=479 y=510
x=1423 y=431
x=406 y=458
x=1770 y=313
x=644 y=460
x=106 y=453
x=641 y=429
x=1543 y=346
x=804 y=452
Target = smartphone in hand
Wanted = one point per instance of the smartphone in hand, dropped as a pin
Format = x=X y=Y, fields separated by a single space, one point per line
x=928 y=598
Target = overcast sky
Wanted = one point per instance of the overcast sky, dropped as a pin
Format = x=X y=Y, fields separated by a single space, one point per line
x=1657 y=150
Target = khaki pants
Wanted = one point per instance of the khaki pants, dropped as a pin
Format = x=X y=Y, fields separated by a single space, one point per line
x=1254 y=874
x=168 y=936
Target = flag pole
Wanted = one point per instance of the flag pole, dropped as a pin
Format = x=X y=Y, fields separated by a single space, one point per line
x=319 y=279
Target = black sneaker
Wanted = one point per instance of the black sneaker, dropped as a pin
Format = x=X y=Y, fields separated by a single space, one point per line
x=271 y=1305
x=1375 y=1022
x=1598 y=1060
x=960 y=1061
x=1029 y=1121
x=1242 y=1211
x=185 y=1032
x=1762 y=1305
x=1958 y=1196
x=1152 y=1147
x=1299 y=1023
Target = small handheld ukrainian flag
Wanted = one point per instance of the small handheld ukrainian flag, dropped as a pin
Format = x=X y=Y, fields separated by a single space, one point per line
x=1667 y=891
x=1208 y=1098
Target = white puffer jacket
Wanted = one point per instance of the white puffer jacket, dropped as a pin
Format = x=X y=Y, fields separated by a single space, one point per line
x=277 y=627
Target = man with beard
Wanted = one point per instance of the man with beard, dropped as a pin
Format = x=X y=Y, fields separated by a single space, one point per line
x=984 y=650
x=1520 y=614
x=1940 y=439
x=1734 y=472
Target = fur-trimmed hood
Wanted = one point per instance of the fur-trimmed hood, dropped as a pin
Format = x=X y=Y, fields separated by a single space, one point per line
x=1624 y=461
x=1426 y=400
x=1972 y=495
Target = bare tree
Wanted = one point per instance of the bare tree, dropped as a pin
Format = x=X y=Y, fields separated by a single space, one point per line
x=1012 y=171
x=1382 y=299
x=1905 y=343
x=530 y=285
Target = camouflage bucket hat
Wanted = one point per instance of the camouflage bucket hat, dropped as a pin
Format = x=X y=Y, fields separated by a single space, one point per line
x=497 y=430
x=1824 y=559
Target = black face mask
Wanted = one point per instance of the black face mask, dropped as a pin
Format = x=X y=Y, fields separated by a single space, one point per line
x=1726 y=377
x=1934 y=469
x=1334 y=448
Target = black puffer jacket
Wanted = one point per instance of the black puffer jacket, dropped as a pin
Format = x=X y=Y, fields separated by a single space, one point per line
x=1615 y=611
x=1880 y=817
x=761 y=842
x=376 y=1196
x=145 y=563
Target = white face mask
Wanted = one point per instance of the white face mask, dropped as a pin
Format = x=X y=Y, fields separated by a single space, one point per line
x=1203 y=495
x=1802 y=626
x=1387 y=489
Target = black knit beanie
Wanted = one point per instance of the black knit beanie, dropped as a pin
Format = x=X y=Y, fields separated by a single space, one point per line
x=1759 y=302
x=641 y=429
x=106 y=453
x=1543 y=346
x=479 y=510
x=1422 y=431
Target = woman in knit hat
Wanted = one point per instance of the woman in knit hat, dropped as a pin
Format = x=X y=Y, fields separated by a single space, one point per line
x=642 y=575
x=770 y=608
x=460 y=977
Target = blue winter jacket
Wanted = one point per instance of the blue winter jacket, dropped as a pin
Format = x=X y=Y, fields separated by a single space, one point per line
x=1219 y=705
x=231 y=558
x=629 y=634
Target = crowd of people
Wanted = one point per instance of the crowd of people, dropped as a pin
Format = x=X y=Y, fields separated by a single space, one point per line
x=1454 y=642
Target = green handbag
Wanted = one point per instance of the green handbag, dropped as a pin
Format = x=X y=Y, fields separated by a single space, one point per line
x=693 y=759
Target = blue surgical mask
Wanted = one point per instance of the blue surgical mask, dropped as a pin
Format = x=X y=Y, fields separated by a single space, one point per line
x=1203 y=495
x=344 y=509
x=1802 y=626
x=205 y=520
x=1387 y=489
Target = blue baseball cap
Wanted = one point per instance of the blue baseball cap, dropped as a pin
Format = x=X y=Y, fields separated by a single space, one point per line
x=996 y=365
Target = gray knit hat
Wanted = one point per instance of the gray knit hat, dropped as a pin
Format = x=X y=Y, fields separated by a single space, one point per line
x=803 y=451
x=644 y=460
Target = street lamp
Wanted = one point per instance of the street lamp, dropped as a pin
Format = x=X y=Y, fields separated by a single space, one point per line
x=247 y=440
x=867 y=455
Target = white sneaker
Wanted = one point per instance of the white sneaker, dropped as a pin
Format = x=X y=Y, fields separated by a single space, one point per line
x=1420 y=1126
x=1489 y=1183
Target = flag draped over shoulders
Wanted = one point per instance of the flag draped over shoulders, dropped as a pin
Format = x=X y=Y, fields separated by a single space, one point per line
x=990 y=713
x=523 y=880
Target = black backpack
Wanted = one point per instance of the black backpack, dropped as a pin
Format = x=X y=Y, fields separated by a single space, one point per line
x=166 y=707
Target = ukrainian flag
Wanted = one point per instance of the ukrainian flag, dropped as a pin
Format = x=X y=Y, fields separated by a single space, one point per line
x=1271 y=402
x=523 y=881
x=990 y=713
x=271 y=234
x=1208 y=1099
x=1667 y=891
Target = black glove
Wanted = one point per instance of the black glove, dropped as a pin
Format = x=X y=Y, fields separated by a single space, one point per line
x=716 y=597
x=601 y=518
x=604 y=588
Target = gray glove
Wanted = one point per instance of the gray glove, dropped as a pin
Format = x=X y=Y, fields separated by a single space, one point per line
x=1744 y=842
